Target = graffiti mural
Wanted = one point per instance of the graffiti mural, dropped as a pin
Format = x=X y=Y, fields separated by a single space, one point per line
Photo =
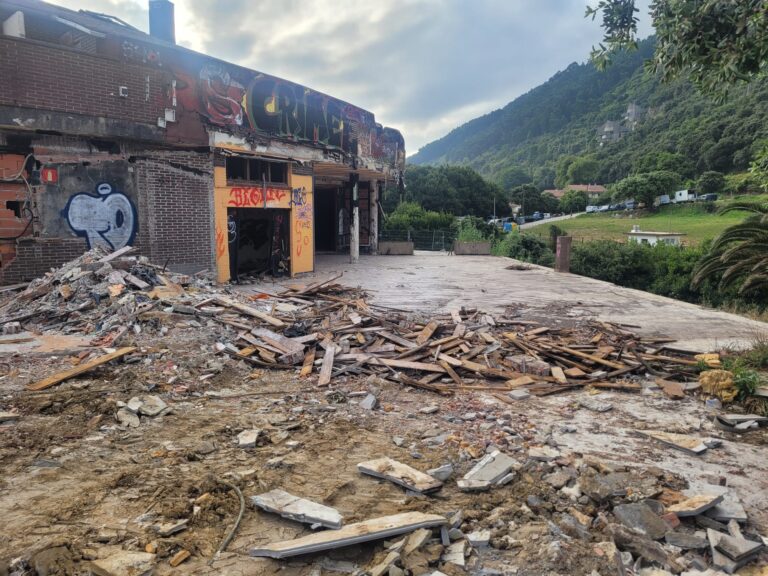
x=106 y=219
x=254 y=197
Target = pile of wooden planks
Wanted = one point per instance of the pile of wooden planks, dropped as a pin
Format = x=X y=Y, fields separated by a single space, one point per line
x=330 y=330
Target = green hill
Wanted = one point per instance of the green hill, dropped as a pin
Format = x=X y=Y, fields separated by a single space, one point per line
x=534 y=137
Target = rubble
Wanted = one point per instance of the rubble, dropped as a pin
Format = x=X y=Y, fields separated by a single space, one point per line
x=298 y=509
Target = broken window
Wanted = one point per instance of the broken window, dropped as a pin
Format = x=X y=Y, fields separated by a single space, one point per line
x=240 y=169
x=16 y=206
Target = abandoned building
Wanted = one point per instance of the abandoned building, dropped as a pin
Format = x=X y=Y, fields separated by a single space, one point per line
x=113 y=137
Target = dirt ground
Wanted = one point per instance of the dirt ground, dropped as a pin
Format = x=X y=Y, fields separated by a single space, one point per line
x=76 y=486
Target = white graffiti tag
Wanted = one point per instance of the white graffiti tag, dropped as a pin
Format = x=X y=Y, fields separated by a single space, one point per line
x=107 y=220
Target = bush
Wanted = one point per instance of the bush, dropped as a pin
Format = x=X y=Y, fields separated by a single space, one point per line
x=474 y=229
x=524 y=247
x=411 y=216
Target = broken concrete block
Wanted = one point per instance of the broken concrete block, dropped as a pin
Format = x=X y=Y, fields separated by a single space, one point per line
x=370 y=402
x=166 y=529
x=689 y=444
x=298 y=509
x=528 y=365
x=696 y=505
x=686 y=541
x=487 y=472
x=595 y=405
x=721 y=560
x=456 y=554
x=729 y=509
x=442 y=473
x=384 y=566
x=479 y=538
x=431 y=409
x=8 y=417
x=128 y=418
x=543 y=453
x=416 y=540
x=151 y=405
x=519 y=394
x=401 y=474
x=124 y=563
x=639 y=517
x=248 y=438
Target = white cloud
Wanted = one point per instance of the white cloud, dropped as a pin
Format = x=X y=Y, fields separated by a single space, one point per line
x=422 y=66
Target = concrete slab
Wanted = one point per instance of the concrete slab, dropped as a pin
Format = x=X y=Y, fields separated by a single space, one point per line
x=299 y=509
x=440 y=282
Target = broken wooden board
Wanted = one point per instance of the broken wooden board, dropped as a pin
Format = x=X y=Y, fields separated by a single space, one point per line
x=249 y=311
x=309 y=360
x=393 y=363
x=81 y=369
x=298 y=509
x=286 y=345
x=674 y=390
x=559 y=375
x=327 y=367
x=398 y=339
x=427 y=332
x=689 y=444
x=401 y=474
x=374 y=529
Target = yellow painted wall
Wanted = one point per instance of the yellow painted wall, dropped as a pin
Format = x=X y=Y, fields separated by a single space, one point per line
x=299 y=201
x=302 y=225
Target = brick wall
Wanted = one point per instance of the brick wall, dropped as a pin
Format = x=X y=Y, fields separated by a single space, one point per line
x=176 y=194
x=49 y=77
x=35 y=256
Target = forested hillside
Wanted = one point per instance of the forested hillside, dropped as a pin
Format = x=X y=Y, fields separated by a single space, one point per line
x=537 y=137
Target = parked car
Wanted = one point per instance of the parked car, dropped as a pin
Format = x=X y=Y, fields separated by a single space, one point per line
x=536 y=216
x=684 y=196
x=630 y=204
x=664 y=200
x=707 y=198
x=604 y=208
x=591 y=209
x=546 y=215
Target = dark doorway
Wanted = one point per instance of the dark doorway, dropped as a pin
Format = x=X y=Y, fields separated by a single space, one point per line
x=259 y=241
x=326 y=221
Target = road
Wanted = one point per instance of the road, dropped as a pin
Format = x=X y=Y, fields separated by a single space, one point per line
x=550 y=220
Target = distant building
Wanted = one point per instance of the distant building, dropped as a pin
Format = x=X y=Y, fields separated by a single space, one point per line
x=555 y=192
x=593 y=190
x=653 y=238
x=633 y=115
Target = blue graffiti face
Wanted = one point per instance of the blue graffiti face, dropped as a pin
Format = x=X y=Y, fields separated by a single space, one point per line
x=107 y=219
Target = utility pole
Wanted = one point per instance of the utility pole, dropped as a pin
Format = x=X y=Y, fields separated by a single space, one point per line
x=354 y=239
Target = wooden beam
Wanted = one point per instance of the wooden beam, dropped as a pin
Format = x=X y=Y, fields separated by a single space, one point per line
x=81 y=369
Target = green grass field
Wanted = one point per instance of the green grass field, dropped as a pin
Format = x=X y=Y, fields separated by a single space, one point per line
x=691 y=219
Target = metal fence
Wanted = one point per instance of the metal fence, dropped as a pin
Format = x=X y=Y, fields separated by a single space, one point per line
x=436 y=240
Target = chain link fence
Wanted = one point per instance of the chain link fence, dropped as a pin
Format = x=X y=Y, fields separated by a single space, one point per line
x=436 y=240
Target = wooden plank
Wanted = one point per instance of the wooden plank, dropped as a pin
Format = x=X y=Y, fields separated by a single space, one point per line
x=427 y=332
x=393 y=363
x=287 y=345
x=367 y=531
x=116 y=254
x=401 y=474
x=460 y=330
x=593 y=358
x=138 y=282
x=309 y=361
x=398 y=339
x=452 y=373
x=250 y=311
x=327 y=368
x=81 y=369
x=559 y=375
x=456 y=316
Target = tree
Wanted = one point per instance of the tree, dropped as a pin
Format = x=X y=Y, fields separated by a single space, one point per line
x=573 y=201
x=710 y=182
x=583 y=171
x=759 y=167
x=531 y=199
x=714 y=43
x=647 y=187
x=739 y=256
x=512 y=176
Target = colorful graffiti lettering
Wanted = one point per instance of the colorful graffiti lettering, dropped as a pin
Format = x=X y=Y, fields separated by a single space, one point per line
x=302 y=219
x=299 y=196
x=221 y=96
x=221 y=244
x=107 y=219
x=253 y=197
x=139 y=53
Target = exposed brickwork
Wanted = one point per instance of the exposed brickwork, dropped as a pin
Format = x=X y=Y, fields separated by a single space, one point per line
x=176 y=191
x=49 y=77
x=35 y=256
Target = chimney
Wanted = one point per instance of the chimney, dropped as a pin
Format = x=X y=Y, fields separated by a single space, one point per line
x=161 y=21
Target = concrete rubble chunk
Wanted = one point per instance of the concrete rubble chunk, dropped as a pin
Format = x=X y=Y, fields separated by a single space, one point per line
x=124 y=563
x=384 y=566
x=543 y=453
x=456 y=554
x=128 y=418
x=696 y=505
x=166 y=529
x=370 y=402
x=416 y=540
x=151 y=405
x=731 y=544
x=686 y=541
x=479 y=538
x=9 y=417
x=689 y=444
x=248 y=438
x=367 y=531
x=299 y=509
x=401 y=474
x=639 y=517
x=519 y=394
x=487 y=472
x=442 y=473
x=431 y=409
x=595 y=405
x=729 y=509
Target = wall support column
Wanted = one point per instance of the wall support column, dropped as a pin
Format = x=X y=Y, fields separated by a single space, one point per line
x=374 y=214
x=354 y=232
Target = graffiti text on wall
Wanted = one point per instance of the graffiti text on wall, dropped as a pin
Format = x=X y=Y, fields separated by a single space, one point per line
x=303 y=219
x=253 y=197
x=107 y=219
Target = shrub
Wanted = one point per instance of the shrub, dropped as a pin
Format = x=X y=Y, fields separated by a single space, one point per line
x=411 y=216
x=474 y=229
x=524 y=247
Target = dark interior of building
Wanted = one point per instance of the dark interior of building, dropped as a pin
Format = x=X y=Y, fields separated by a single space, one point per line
x=326 y=219
x=259 y=241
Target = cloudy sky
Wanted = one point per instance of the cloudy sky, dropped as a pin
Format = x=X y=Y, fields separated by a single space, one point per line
x=422 y=66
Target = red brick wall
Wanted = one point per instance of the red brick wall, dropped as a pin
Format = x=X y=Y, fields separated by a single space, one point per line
x=35 y=256
x=47 y=77
x=176 y=194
